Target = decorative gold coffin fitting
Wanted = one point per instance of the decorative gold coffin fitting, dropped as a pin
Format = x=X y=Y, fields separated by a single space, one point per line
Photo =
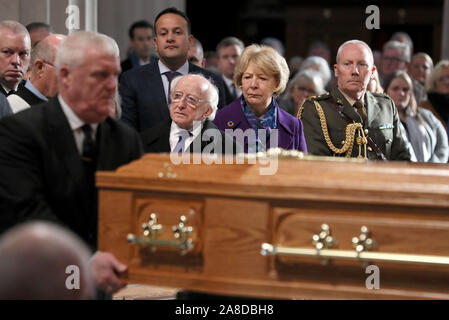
x=362 y=244
x=269 y=249
x=180 y=239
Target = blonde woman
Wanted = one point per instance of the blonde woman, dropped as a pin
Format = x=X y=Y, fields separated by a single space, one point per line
x=421 y=128
x=262 y=75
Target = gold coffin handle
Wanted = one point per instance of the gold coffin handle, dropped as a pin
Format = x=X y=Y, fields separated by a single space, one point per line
x=181 y=233
x=184 y=244
x=272 y=250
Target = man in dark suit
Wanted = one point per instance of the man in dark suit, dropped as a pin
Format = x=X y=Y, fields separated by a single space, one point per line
x=229 y=51
x=190 y=129
x=49 y=153
x=141 y=39
x=145 y=90
x=15 y=46
x=42 y=83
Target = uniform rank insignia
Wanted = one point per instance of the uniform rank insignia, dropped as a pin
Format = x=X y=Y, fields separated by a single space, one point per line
x=386 y=126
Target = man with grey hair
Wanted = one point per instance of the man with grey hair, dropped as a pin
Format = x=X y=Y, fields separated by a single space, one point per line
x=15 y=46
x=49 y=153
x=403 y=37
x=43 y=261
x=194 y=101
x=42 y=84
x=350 y=121
x=229 y=51
x=275 y=43
x=395 y=56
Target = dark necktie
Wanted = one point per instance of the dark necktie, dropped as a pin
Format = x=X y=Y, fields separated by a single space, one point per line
x=170 y=76
x=361 y=110
x=10 y=92
x=88 y=159
x=88 y=154
x=233 y=91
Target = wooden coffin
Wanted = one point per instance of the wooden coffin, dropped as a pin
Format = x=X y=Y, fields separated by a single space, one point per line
x=231 y=210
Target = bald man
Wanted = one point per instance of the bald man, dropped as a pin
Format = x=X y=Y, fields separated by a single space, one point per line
x=350 y=106
x=40 y=260
x=43 y=83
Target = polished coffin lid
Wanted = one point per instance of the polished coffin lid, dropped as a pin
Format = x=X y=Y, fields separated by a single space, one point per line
x=333 y=179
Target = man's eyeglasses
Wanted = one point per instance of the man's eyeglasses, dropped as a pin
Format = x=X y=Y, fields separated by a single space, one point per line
x=49 y=63
x=193 y=102
x=443 y=79
x=392 y=59
x=304 y=89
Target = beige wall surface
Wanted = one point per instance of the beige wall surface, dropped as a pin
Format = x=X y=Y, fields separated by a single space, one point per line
x=114 y=16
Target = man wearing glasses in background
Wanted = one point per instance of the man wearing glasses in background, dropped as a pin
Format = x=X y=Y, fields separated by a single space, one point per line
x=194 y=101
x=395 y=56
x=42 y=84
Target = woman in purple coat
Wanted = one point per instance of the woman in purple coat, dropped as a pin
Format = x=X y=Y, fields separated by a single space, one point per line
x=255 y=120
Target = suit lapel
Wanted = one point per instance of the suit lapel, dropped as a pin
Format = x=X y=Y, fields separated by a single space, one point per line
x=285 y=133
x=237 y=119
x=372 y=108
x=104 y=152
x=62 y=141
x=154 y=83
x=159 y=139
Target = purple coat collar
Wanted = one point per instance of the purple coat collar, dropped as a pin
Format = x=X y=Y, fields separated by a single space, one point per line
x=232 y=117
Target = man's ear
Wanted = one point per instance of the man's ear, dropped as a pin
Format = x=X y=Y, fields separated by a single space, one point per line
x=64 y=75
x=335 y=70
x=191 y=39
x=208 y=112
x=372 y=72
x=38 y=65
x=155 y=43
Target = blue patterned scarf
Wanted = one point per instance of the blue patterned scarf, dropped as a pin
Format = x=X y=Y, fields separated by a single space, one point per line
x=268 y=122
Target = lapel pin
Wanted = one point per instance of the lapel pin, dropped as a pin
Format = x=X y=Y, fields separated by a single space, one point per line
x=339 y=101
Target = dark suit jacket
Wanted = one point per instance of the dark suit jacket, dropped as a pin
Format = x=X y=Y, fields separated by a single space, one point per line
x=27 y=95
x=228 y=95
x=382 y=125
x=41 y=174
x=5 y=109
x=144 y=103
x=290 y=131
x=157 y=139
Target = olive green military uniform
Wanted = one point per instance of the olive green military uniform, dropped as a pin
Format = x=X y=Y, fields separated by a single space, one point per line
x=382 y=126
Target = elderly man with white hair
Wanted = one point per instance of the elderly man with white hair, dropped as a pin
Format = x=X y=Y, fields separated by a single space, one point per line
x=194 y=101
x=49 y=153
x=350 y=121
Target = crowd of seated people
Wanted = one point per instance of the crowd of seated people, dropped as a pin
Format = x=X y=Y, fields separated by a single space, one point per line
x=62 y=101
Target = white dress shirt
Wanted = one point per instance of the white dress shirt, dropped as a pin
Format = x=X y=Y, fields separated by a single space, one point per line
x=76 y=124
x=176 y=131
x=163 y=68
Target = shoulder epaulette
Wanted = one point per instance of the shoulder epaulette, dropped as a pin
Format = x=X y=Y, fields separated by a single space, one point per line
x=320 y=97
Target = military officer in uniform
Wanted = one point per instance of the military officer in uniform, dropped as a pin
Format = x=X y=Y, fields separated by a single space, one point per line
x=349 y=121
